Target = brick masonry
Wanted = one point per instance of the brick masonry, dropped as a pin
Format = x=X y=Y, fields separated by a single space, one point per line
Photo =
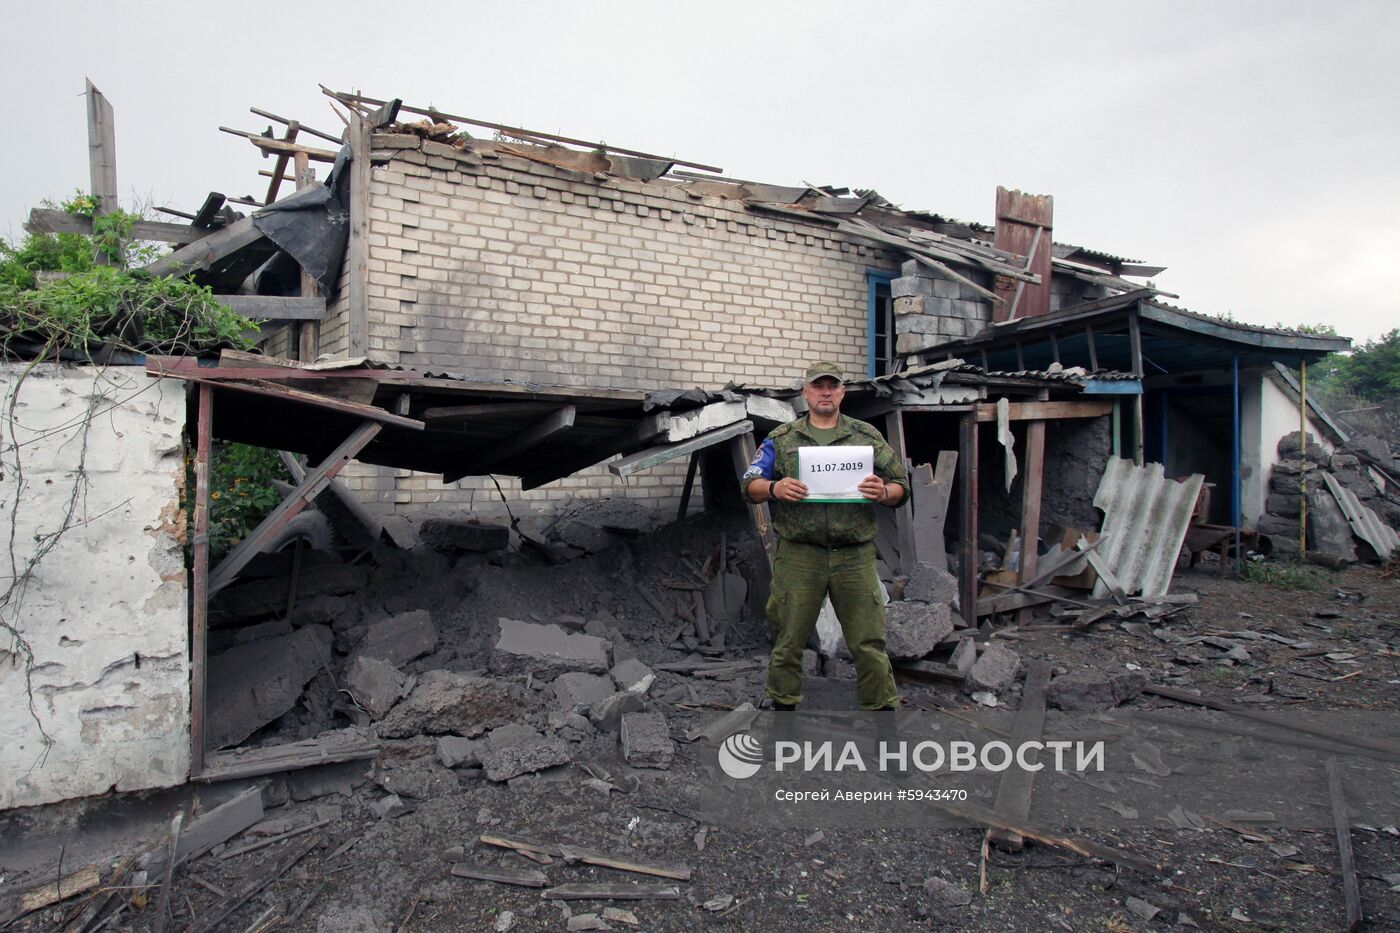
x=520 y=270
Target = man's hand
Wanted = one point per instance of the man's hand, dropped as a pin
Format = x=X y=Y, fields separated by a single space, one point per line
x=877 y=490
x=788 y=489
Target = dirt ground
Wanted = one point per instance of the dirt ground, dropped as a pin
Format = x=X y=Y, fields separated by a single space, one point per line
x=364 y=873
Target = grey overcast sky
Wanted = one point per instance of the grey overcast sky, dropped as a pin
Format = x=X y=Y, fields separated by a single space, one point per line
x=1250 y=146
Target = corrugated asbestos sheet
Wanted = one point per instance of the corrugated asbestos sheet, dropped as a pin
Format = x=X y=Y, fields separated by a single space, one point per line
x=1145 y=520
x=1364 y=522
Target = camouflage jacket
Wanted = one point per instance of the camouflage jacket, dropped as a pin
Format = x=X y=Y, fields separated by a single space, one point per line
x=828 y=524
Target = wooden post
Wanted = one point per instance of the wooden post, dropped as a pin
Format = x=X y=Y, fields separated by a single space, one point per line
x=358 y=286
x=741 y=453
x=967 y=547
x=102 y=155
x=689 y=484
x=199 y=627
x=1034 y=463
x=308 y=332
x=1135 y=340
x=903 y=517
x=1093 y=350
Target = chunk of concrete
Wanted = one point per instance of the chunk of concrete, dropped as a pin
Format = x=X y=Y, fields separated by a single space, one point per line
x=607 y=715
x=575 y=689
x=388 y=807
x=264 y=597
x=253 y=684
x=513 y=750
x=1093 y=691
x=418 y=778
x=341 y=777
x=447 y=534
x=461 y=704
x=401 y=638
x=546 y=651
x=964 y=655
x=324 y=610
x=1329 y=533
x=946 y=893
x=454 y=751
x=376 y=685
x=993 y=671
x=633 y=676
x=646 y=741
x=912 y=629
x=931 y=583
x=1290 y=446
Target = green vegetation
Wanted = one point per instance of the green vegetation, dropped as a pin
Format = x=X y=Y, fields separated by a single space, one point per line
x=241 y=493
x=1288 y=575
x=92 y=305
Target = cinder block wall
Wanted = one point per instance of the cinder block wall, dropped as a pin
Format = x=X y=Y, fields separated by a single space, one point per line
x=515 y=269
x=104 y=612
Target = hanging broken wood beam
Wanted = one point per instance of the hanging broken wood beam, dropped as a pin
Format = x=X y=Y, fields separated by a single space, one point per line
x=278 y=519
x=47 y=220
x=559 y=422
x=275 y=307
x=208 y=250
x=304 y=128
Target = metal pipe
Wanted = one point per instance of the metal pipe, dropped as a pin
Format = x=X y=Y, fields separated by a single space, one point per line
x=1235 y=469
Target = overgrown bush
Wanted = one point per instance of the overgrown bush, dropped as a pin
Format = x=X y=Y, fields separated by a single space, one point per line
x=241 y=492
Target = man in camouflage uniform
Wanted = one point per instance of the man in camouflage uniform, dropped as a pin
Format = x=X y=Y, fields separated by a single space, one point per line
x=826 y=548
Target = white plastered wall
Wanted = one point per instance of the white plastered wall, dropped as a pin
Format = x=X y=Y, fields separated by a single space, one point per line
x=1268 y=414
x=104 y=611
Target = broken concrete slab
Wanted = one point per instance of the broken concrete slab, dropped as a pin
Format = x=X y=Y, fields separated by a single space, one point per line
x=341 y=777
x=220 y=824
x=593 y=525
x=546 y=651
x=461 y=704
x=931 y=583
x=454 y=751
x=575 y=689
x=1093 y=691
x=376 y=685
x=646 y=741
x=324 y=610
x=401 y=638
x=388 y=807
x=513 y=749
x=253 y=684
x=264 y=597
x=448 y=534
x=417 y=778
x=912 y=629
x=607 y=714
x=632 y=676
x=993 y=671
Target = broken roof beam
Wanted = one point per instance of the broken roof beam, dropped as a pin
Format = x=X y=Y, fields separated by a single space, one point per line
x=948 y=251
x=654 y=456
x=47 y=220
x=304 y=128
x=557 y=423
x=518 y=132
x=452 y=414
x=276 y=307
x=1043 y=411
x=208 y=250
x=272 y=146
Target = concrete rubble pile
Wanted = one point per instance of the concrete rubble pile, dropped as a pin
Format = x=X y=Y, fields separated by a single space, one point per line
x=1349 y=517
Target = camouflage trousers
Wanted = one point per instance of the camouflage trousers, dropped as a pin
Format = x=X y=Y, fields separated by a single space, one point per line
x=803 y=576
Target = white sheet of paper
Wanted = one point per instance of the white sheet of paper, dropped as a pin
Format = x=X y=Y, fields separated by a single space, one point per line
x=832 y=474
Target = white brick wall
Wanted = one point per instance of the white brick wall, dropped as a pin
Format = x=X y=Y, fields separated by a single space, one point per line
x=523 y=270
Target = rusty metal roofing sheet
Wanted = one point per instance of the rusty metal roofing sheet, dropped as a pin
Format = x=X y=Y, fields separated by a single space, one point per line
x=1364 y=522
x=1145 y=520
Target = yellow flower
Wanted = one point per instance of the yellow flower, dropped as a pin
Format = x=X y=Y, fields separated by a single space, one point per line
x=215 y=495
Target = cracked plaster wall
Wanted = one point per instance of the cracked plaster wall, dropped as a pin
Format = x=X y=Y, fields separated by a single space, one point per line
x=105 y=611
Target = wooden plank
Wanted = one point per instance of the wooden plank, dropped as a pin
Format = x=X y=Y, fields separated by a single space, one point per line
x=274 y=872
x=220 y=824
x=689 y=486
x=308 y=332
x=1031 y=481
x=1342 y=823
x=305 y=491
x=281 y=147
x=975 y=814
x=241 y=763
x=204 y=252
x=209 y=212
x=357 y=287
x=518 y=132
x=1014 y=792
x=102 y=150
x=48 y=220
x=521 y=877
x=60 y=889
x=742 y=451
x=273 y=390
x=275 y=307
x=199 y=621
x=654 y=456
x=1389 y=749
x=930 y=508
x=561 y=421
x=1038 y=411
x=451 y=414
x=280 y=167
x=1115 y=589
x=613 y=892
x=967 y=525
x=903 y=518
x=1023 y=222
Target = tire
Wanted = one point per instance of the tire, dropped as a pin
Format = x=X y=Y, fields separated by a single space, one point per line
x=311 y=529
